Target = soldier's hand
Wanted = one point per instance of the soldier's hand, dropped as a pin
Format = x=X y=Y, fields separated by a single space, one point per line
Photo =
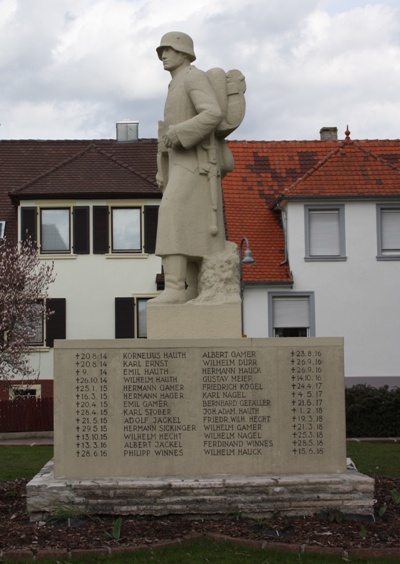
x=171 y=138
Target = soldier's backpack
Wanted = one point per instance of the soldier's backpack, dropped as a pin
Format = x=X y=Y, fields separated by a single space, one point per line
x=229 y=88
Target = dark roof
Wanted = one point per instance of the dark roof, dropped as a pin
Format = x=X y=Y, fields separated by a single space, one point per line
x=78 y=169
x=92 y=172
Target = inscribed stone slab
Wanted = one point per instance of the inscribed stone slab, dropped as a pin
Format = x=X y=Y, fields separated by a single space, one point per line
x=159 y=408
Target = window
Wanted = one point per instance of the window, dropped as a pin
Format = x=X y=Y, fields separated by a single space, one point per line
x=124 y=224
x=38 y=338
x=131 y=318
x=54 y=228
x=325 y=233
x=291 y=315
x=2 y=229
x=141 y=317
x=54 y=327
x=25 y=391
x=388 y=221
x=126 y=230
x=66 y=230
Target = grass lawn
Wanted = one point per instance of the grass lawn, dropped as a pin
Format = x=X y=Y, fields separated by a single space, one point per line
x=376 y=459
x=370 y=458
x=23 y=461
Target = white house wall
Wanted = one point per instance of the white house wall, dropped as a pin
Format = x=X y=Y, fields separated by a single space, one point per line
x=90 y=283
x=356 y=299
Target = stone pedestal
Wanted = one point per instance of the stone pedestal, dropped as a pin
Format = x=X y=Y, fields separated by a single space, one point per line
x=200 y=426
x=249 y=496
x=194 y=321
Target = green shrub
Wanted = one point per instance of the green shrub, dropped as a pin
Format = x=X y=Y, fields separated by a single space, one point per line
x=372 y=412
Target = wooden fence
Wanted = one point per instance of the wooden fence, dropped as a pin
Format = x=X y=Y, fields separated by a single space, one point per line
x=26 y=415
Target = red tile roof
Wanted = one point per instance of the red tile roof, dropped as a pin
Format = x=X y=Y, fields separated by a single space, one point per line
x=265 y=172
x=350 y=171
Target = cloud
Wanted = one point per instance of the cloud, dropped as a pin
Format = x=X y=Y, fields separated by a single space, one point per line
x=72 y=68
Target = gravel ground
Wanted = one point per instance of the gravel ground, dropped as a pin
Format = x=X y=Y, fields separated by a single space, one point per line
x=322 y=530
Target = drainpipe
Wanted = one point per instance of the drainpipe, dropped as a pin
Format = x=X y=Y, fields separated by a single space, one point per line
x=284 y=225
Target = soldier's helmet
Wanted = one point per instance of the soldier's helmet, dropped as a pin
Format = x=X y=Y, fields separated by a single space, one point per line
x=180 y=42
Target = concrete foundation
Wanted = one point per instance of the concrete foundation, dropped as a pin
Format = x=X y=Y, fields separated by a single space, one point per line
x=253 y=496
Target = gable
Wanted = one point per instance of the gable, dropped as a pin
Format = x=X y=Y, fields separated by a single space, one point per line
x=350 y=171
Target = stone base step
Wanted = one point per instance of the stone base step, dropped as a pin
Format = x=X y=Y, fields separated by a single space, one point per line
x=255 y=496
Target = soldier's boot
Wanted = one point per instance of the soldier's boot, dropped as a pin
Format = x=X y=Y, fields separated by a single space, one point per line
x=174 y=275
x=192 y=280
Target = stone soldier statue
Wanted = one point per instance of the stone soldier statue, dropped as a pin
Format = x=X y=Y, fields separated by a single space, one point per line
x=191 y=161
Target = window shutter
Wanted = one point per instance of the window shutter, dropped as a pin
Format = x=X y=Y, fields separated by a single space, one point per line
x=124 y=318
x=100 y=230
x=28 y=224
x=291 y=312
x=324 y=233
x=56 y=323
x=150 y=228
x=81 y=241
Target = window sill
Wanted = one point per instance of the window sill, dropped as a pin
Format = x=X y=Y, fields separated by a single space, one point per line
x=56 y=256
x=388 y=257
x=126 y=255
x=38 y=348
x=325 y=259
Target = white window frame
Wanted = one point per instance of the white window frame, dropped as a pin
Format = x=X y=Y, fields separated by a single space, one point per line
x=2 y=229
x=13 y=391
x=295 y=296
x=387 y=253
x=327 y=209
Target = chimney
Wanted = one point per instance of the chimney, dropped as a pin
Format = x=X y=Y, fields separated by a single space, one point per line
x=127 y=131
x=328 y=133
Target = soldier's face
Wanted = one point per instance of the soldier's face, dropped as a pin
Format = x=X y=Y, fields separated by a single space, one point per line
x=172 y=59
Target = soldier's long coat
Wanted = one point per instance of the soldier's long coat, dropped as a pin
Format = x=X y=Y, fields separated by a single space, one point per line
x=185 y=212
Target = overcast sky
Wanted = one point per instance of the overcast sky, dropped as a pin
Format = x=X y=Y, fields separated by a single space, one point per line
x=70 y=69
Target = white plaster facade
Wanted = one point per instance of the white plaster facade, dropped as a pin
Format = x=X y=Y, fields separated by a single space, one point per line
x=90 y=283
x=355 y=298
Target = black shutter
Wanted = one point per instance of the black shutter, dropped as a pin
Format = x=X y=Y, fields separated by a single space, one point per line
x=28 y=224
x=150 y=228
x=124 y=318
x=56 y=323
x=100 y=230
x=81 y=230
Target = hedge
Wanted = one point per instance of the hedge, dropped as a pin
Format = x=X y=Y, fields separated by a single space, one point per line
x=372 y=412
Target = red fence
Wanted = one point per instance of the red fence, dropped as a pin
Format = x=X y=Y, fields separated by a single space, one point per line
x=26 y=414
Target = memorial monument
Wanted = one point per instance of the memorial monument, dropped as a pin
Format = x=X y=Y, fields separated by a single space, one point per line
x=200 y=422
x=200 y=266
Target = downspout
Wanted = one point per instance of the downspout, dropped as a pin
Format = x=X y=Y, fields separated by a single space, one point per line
x=284 y=226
